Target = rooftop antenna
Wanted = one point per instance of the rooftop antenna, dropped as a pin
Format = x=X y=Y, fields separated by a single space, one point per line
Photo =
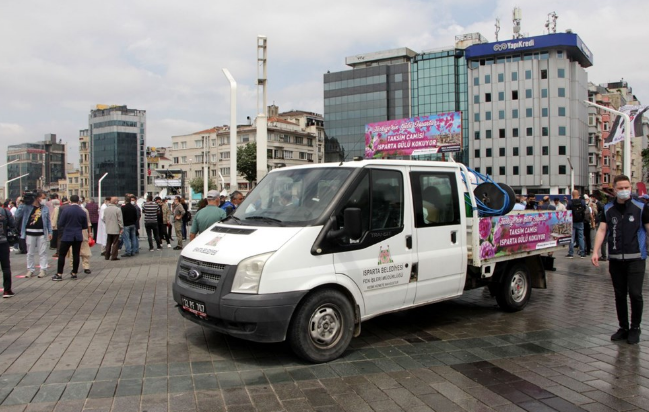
x=551 y=23
x=517 y=16
x=497 y=28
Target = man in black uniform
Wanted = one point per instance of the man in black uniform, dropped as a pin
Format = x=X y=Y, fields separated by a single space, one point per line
x=625 y=227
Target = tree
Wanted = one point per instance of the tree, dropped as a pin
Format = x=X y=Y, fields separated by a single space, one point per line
x=197 y=185
x=247 y=162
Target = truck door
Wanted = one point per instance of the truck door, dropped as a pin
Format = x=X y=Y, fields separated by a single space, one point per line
x=380 y=261
x=438 y=236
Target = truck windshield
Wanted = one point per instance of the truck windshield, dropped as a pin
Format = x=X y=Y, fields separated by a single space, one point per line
x=292 y=196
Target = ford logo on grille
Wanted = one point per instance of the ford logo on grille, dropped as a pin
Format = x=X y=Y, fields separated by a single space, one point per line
x=194 y=275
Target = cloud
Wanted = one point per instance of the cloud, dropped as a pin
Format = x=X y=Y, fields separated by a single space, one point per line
x=63 y=58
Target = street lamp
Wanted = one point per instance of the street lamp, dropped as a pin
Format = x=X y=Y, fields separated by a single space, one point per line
x=572 y=175
x=233 y=129
x=626 y=137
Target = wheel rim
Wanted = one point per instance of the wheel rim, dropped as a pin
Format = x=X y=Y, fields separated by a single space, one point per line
x=325 y=326
x=518 y=287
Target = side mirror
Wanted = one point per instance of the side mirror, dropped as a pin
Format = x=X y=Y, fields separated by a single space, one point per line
x=353 y=223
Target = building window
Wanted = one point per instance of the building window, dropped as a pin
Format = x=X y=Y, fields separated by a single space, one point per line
x=514 y=113
x=175 y=160
x=544 y=131
x=198 y=144
x=515 y=170
x=544 y=93
x=501 y=77
x=591 y=119
x=488 y=133
x=562 y=150
x=606 y=178
x=476 y=117
x=530 y=150
x=225 y=171
x=562 y=169
x=561 y=73
x=184 y=159
x=288 y=154
x=183 y=145
x=487 y=115
x=562 y=130
x=544 y=74
x=501 y=96
x=515 y=151
x=530 y=170
x=528 y=74
x=528 y=112
x=591 y=139
x=501 y=133
x=546 y=170
x=489 y=170
x=544 y=112
x=501 y=170
x=514 y=76
x=529 y=131
x=562 y=111
x=545 y=150
x=487 y=78
x=487 y=97
x=476 y=153
x=562 y=92
x=476 y=81
x=514 y=94
x=591 y=158
x=175 y=146
x=559 y=54
x=528 y=93
x=488 y=152
x=476 y=135
x=501 y=151
x=515 y=132
x=477 y=169
x=607 y=161
x=605 y=126
x=476 y=99
x=501 y=114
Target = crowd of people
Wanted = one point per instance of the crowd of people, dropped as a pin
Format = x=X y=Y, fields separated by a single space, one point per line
x=72 y=226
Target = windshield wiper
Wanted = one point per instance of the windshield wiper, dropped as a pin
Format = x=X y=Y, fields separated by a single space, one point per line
x=233 y=217
x=269 y=219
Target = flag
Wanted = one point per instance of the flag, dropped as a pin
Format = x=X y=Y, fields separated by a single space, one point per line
x=617 y=130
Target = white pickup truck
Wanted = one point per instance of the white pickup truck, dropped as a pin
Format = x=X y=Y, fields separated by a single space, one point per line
x=315 y=250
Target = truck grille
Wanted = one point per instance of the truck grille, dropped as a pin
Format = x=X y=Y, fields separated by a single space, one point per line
x=194 y=262
x=199 y=286
x=210 y=274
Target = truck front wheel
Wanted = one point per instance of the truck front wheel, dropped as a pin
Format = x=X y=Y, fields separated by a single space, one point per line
x=515 y=289
x=322 y=326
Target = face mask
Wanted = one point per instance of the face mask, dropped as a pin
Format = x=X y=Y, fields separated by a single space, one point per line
x=623 y=194
x=132 y=202
x=43 y=202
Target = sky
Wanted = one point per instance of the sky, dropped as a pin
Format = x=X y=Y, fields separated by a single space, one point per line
x=60 y=59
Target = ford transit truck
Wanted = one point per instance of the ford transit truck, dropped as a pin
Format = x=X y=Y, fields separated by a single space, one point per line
x=315 y=250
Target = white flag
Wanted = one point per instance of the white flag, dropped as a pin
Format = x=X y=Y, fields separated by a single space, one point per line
x=617 y=133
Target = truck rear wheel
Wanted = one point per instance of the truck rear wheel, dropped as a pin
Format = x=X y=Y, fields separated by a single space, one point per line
x=322 y=327
x=515 y=289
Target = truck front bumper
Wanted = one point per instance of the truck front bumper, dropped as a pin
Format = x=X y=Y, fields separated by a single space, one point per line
x=258 y=318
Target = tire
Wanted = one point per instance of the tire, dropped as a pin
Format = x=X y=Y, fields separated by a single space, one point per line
x=322 y=326
x=515 y=289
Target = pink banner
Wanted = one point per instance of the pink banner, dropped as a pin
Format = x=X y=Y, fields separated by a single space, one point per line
x=521 y=232
x=418 y=135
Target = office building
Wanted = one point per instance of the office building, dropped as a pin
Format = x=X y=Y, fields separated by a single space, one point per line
x=375 y=90
x=43 y=162
x=117 y=149
x=526 y=112
x=84 y=163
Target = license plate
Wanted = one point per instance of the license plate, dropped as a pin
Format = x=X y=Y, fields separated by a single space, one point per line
x=194 y=306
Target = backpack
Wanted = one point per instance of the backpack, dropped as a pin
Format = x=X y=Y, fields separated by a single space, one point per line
x=578 y=211
x=188 y=216
x=600 y=217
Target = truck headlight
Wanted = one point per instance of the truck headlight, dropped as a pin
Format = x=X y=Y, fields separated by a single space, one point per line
x=248 y=274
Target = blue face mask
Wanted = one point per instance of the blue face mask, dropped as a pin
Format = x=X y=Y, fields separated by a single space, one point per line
x=623 y=194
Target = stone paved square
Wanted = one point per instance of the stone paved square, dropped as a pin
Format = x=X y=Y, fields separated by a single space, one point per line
x=113 y=341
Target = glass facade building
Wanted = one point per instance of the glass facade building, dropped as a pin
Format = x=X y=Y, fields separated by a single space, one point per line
x=376 y=90
x=118 y=147
x=439 y=85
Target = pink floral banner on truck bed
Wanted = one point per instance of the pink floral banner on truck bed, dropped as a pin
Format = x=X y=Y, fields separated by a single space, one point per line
x=439 y=133
x=522 y=232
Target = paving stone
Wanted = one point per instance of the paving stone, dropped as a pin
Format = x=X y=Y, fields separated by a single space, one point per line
x=129 y=387
x=21 y=395
x=181 y=384
x=179 y=368
x=155 y=370
x=103 y=389
x=75 y=391
x=49 y=393
x=154 y=386
x=33 y=378
x=132 y=372
x=84 y=375
x=205 y=382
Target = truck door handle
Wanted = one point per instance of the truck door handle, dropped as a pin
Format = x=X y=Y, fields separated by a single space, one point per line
x=409 y=242
x=454 y=236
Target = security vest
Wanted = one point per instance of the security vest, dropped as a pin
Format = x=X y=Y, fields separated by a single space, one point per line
x=625 y=232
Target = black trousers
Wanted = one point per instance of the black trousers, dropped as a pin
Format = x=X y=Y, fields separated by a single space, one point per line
x=6 y=266
x=164 y=235
x=169 y=229
x=152 y=231
x=63 y=252
x=587 y=238
x=627 y=277
x=95 y=227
